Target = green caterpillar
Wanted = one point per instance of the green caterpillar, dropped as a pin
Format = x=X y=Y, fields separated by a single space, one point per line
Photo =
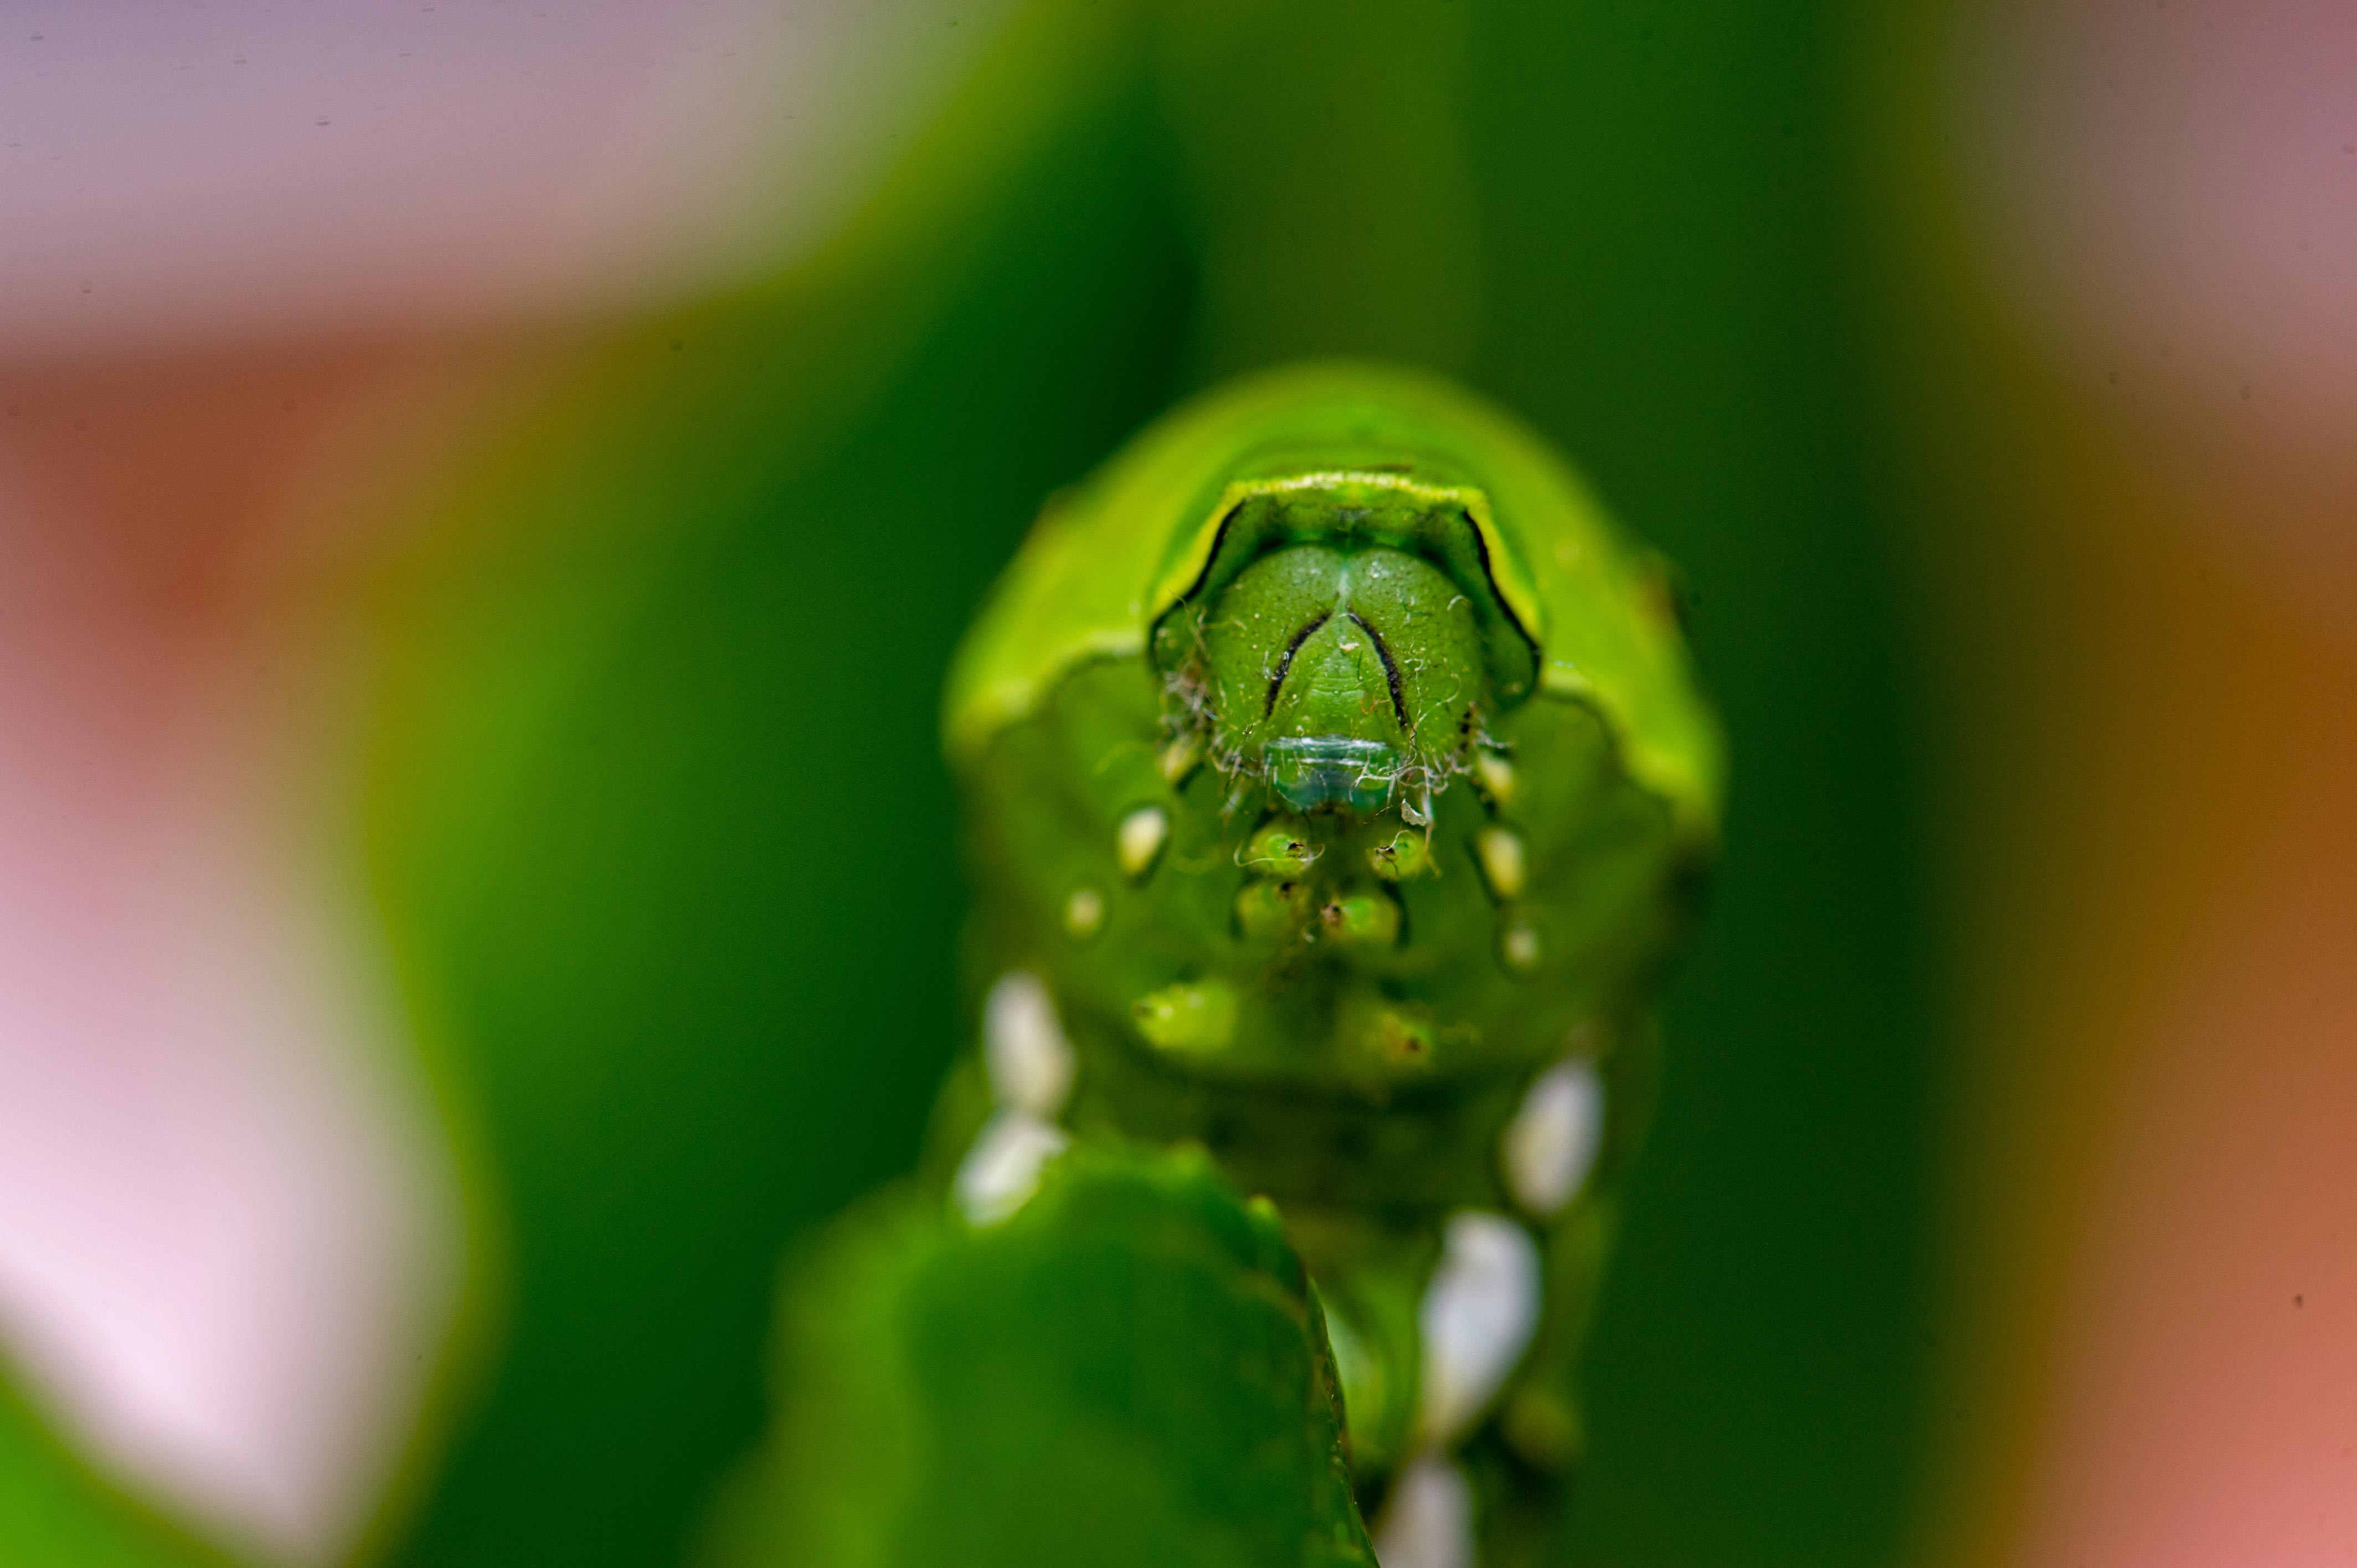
x=1335 y=790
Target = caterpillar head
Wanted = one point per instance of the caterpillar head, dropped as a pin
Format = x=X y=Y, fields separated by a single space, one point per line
x=1328 y=738
x=1344 y=645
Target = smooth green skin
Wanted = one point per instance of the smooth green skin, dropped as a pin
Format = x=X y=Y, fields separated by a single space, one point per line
x=1343 y=1035
x=1311 y=643
x=1132 y=1370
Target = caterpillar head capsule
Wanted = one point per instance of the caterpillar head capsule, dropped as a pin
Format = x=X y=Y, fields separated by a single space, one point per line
x=1361 y=724
x=1344 y=642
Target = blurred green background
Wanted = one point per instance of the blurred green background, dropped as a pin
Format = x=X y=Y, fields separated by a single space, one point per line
x=662 y=834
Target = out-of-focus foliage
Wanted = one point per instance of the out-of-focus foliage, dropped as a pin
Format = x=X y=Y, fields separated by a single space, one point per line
x=664 y=835
x=54 y=1510
x=1127 y=1371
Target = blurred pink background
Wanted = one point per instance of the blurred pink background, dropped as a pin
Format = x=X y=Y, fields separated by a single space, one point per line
x=2142 y=594
x=180 y=176
x=263 y=269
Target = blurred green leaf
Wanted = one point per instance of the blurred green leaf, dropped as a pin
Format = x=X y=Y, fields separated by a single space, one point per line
x=1323 y=166
x=661 y=824
x=1676 y=295
x=55 y=1512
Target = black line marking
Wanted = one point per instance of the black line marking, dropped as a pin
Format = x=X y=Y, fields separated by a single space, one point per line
x=1490 y=574
x=1391 y=670
x=1211 y=558
x=1286 y=663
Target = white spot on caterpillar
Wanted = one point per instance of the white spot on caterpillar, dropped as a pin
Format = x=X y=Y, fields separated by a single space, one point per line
x=1140 y=838
x=1001 y=1172
x=1023 y=1046
x=1477 y=1317
x=1496 y=773
x=1178 y=758
x=1501 y=854
x=1550 y=1146
x=1429 y=1522
x=1085 y=913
